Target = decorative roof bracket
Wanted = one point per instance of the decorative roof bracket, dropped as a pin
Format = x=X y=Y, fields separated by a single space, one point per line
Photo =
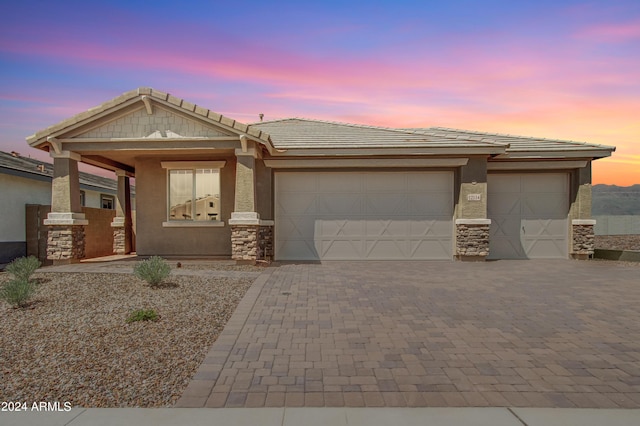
x=147 y=104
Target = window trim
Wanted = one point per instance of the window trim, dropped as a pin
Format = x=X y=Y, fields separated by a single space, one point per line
x=107 y=197
x=190 y=165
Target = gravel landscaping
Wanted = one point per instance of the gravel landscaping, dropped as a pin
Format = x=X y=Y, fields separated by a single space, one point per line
x=73 y=343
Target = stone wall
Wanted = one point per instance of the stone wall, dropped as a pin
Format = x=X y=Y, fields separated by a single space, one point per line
x=583 y=240
x=65 y=243
x=251 y=242
x=119 y=240
x=472 y=240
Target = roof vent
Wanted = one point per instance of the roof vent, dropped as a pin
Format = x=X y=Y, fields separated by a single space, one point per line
x=15 y=154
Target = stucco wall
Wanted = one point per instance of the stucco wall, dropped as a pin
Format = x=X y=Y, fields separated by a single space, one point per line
x=151 y=201
x=16 y=192
x=264 y=191
x=472 y=194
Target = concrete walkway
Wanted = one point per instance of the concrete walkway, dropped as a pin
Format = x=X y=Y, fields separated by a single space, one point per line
x=557 y=334
x=326 y=416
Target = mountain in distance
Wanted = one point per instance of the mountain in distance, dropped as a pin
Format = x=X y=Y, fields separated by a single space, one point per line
x=615 y=200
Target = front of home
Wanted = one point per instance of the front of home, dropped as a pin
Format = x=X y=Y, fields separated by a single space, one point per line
x=298 y=189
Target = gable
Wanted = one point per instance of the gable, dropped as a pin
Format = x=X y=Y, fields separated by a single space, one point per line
x=161 y=124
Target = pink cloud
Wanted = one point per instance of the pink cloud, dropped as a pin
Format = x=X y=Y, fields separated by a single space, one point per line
x=613 y=33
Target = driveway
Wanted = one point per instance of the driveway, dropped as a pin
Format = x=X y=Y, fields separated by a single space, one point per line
x=505 y=333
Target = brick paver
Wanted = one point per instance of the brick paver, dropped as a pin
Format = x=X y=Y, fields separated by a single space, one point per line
x=369 y=334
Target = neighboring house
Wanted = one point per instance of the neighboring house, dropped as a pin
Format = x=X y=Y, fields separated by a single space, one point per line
x=299 y=189
x=25 y=181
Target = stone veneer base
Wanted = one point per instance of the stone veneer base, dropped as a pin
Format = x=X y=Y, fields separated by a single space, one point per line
x=65 y=243
x=251 y=242
x=472 y=241
x=583 y=241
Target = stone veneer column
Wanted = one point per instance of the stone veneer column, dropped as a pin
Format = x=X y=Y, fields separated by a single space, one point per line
x=65 y=242
x=472 y=239
x=472 y=225
x=251 y=238
x=582 y=226
x=122 y=223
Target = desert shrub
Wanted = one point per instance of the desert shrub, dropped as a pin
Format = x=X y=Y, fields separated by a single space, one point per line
x=23 y=267
x=18 y=292
x=143 y=315
x=153 y=270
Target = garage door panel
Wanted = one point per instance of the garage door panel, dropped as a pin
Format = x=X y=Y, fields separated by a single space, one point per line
x=545 y=183
x=339 y=204
x=335 y=183
x=339 y=227
x=544 y=205
x=504 y=184
x=383 y=215
x=298 y=204
x=434 y=204
x=530 y=223
x=383 y=182
x=298 y=249
x=385 y=204
x=509 y=204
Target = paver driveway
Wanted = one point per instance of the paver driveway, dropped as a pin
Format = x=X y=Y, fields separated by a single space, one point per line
x=506 y=333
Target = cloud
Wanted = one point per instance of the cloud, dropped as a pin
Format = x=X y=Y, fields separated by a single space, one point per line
x=612 y=33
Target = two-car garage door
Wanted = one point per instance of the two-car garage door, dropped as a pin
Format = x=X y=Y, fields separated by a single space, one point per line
x=363 y=215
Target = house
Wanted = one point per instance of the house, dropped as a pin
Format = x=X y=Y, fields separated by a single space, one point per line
x=25 y=181
x=299 y=189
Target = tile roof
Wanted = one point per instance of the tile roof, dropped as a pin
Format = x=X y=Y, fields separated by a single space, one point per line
x=518 y=143
x=291 y=133
x=162 y=97
x=40 y=168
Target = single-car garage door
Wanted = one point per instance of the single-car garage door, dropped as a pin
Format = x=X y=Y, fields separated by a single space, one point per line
x=363 y=215
x=529 y=214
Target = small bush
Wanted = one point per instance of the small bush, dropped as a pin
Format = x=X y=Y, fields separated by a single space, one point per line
x=143 y=315
x=153 y=270
x=23 y=267
x=18 y=292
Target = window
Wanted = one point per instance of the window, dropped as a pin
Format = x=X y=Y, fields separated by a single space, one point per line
x=193 y=193
x=107 y=202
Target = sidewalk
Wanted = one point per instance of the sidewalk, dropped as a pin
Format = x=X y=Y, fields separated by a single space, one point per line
x=327 y=416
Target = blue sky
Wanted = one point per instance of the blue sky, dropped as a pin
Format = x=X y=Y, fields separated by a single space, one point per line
x=568 y=69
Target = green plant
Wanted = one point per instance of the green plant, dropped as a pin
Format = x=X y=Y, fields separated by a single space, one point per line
x=153 y=270
x=143 y=315
x=23 y=267
x=18 y=292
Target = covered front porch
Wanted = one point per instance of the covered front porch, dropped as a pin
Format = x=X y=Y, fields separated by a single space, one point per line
x=197 y=177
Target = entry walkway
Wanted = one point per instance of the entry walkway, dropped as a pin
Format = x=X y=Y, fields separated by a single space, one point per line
x=556 y=334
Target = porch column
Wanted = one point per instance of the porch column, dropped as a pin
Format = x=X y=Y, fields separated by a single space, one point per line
x=472 y=224
x=122 y=223
x=582 y=226
x=251 y=238
x=65 y=241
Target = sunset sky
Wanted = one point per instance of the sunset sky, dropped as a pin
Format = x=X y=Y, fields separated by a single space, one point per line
x=556 y=69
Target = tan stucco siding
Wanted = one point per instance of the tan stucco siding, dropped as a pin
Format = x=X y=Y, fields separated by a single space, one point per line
x=472 y=194
x=264 y=190
x=154 y=239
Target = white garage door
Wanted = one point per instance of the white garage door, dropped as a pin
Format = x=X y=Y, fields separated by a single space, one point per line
x=528 y=215
x=363 y=215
